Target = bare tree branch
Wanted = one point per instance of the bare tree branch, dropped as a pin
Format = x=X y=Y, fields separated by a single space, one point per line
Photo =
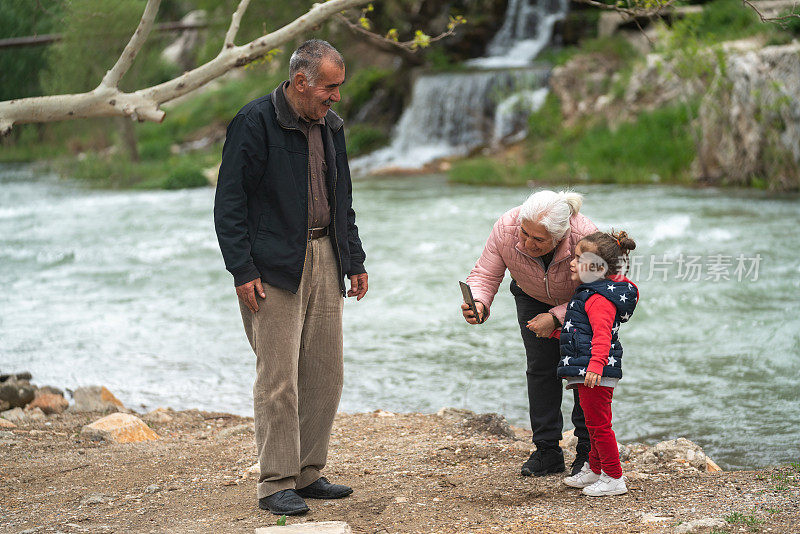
x=144 y=104
x=113 y=76
x=236 y=19
x=406 y=49
x=631 y=11
x=763 y=18
x=381 y=43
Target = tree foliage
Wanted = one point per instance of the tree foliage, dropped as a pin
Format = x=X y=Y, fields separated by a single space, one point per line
x=20 y=67
x=94 y=33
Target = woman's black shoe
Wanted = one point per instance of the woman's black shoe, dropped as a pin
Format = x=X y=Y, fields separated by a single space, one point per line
x=581 y=457
x=544 y=461
x=284 y=502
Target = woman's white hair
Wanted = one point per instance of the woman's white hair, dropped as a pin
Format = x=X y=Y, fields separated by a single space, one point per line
x=552 y=210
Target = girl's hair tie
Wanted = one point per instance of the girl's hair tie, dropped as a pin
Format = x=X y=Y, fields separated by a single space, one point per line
x=618 y=243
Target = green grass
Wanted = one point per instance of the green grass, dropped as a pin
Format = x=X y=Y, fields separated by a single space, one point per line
x=748 y=520
x=726 y=20
x=656 y=147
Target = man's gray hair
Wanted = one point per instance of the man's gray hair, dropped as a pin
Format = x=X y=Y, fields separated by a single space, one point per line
x=308 y=58
x=552 y=210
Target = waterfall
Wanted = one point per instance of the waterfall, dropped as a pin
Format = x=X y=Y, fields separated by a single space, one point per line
x=526 y=31
x=452 y=114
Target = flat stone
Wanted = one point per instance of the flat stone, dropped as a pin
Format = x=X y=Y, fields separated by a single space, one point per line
x=454 y=414
x=36 y=414
x=14 y=414
x=152 y=488
x=158 y=416
x=5 y=434
x=311 y=527
x=49 y=403
x=119 y=428
x=5 y=423
x=699 y=525
x=95 y=399
x=94 y=498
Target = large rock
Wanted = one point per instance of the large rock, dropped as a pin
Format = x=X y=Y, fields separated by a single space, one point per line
x=681 y=450
x=49 y=403
x=750 y=120
x=95 y=399
x=323 y=527
x=119 y=428
x=17 y=393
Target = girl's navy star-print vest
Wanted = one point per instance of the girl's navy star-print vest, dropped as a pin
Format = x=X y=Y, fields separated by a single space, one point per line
x=576 y=334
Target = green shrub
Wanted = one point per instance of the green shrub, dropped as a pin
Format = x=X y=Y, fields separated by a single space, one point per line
x=183 y=175
x=362 y=139
x=154 y=148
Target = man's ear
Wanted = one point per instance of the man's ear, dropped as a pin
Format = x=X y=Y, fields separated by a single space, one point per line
x=300 y=82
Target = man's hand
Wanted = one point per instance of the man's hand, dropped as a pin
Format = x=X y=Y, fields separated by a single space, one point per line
x=591 y=380
x=469 y=316
x=542 y=325
x=247 y=293
x=358 y=286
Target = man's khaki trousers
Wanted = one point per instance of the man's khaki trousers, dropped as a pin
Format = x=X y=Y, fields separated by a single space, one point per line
x=297 y=339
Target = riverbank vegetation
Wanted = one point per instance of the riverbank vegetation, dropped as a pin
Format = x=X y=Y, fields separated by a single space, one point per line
x=656 y=147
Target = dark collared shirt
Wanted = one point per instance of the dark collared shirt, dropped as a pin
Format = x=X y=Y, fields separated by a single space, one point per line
x=319 y=211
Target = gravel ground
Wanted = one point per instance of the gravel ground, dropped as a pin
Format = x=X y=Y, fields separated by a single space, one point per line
x=410 y=472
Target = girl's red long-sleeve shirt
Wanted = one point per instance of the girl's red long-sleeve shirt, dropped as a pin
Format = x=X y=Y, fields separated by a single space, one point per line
x=601 y=313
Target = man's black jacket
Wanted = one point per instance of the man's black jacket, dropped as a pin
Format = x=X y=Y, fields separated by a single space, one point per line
x=261 y=204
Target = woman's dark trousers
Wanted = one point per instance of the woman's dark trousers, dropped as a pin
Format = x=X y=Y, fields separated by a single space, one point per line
x=544 y=386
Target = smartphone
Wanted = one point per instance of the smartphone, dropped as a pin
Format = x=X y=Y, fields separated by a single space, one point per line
x=466 y=292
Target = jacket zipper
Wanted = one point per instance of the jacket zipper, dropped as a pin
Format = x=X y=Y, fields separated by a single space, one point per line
x=333 y=225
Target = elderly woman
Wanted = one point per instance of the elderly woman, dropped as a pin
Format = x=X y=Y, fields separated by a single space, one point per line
x=536 y=242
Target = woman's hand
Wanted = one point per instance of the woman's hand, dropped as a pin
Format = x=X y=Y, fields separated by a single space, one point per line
x=542 y=325
x=469 y=316
x=591 y=380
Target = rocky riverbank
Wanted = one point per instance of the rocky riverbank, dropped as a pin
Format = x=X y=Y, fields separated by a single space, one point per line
x=451 y=472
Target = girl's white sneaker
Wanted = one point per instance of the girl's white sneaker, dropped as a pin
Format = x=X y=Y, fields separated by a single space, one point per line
x=585 y=477
x=606 y=485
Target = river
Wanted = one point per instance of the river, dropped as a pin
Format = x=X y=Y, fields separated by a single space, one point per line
x=127 y=289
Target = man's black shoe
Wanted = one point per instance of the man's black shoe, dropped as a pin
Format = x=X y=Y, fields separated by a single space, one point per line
x=284 y=502
x=322 y=489
x=544 y=461
x=581 y=457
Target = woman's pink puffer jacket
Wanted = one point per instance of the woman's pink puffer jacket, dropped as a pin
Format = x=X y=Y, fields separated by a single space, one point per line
x=503 y=251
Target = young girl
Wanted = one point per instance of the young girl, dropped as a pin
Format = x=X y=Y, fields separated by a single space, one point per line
x=591 y=354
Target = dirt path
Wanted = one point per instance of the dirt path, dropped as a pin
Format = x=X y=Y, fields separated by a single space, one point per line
x=410 y=472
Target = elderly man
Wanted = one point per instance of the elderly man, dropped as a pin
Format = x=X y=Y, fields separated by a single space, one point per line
x=535 y=242
x=286 y=228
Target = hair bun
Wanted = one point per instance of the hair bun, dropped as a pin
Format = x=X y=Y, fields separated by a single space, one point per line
x=625 y=242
